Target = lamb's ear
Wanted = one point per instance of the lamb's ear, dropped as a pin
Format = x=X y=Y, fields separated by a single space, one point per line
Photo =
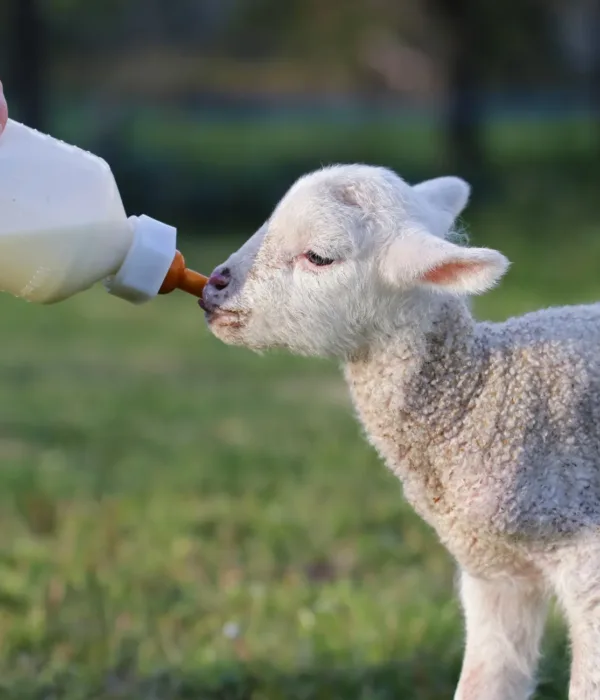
x=421 y=259
x=447 y=196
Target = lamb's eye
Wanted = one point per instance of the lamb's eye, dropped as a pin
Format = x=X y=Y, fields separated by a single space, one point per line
x=318 y=260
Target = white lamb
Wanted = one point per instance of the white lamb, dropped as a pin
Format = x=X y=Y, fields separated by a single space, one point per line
x=494 y=429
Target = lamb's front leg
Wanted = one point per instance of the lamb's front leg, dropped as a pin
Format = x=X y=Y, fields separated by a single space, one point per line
x=577 y=579
x=504 y=623
x=585 y=642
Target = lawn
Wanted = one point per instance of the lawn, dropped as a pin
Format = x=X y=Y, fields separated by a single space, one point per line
x=181 y=519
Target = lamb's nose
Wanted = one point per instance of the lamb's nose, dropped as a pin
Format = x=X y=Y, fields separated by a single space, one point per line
x=221 y=279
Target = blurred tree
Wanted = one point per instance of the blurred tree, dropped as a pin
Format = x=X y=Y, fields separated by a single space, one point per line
x=27 y=62
x=595 y=70
x=577 y=28
x=461 y=20
x=326 y=37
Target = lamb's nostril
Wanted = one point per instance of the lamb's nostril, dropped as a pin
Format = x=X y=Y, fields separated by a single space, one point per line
x=220 y=280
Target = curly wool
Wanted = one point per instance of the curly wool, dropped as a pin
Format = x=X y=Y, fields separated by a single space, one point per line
x=493 y=428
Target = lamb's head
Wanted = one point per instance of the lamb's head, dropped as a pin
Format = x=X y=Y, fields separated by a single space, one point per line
x=346 y=252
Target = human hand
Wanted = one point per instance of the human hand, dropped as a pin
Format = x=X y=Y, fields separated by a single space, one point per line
x=3 y=110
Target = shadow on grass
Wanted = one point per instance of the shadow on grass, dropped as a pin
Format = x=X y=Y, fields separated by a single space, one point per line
x=422 y=678
x=425 y=680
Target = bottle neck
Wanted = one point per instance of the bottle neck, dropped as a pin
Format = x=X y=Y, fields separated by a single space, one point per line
x=147 y=262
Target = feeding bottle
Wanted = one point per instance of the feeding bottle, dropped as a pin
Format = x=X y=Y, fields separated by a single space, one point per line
x=63 y=227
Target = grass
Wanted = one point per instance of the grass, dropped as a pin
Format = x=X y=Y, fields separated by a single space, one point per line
x=180 y=519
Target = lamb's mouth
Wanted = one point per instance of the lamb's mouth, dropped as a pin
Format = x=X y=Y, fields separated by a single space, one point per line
x=230 y=318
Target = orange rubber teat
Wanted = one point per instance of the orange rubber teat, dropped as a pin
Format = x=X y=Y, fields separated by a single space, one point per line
x=179 y=277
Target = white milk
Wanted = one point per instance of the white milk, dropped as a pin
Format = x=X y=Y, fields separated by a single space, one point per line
x=63 y=226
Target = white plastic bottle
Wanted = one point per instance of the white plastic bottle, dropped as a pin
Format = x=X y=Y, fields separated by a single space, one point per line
x=63 y=227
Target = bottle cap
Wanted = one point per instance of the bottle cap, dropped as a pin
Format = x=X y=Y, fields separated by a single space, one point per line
x=147 y=263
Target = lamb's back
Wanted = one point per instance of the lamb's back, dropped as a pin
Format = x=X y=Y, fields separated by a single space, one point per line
x=543 y=390
x=576 y=327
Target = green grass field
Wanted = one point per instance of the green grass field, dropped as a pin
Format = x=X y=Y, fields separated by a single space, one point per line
x=181 y=519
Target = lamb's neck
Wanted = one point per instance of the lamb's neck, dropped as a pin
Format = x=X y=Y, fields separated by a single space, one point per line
x=416 y=389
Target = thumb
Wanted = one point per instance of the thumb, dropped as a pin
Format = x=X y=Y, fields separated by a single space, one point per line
x=3 y=109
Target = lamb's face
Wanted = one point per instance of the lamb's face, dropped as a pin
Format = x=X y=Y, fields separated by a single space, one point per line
x=344 y=250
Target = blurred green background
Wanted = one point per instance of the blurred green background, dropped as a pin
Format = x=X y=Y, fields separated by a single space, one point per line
x=180 y=519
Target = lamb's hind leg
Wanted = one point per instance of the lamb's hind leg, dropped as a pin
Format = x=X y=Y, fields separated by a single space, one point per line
x=504 y=623
x=577 y=580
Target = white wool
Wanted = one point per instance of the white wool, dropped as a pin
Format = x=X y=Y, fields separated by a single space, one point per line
x=493 y=429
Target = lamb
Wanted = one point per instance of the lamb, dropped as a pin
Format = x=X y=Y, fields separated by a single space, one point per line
x=492 y=428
